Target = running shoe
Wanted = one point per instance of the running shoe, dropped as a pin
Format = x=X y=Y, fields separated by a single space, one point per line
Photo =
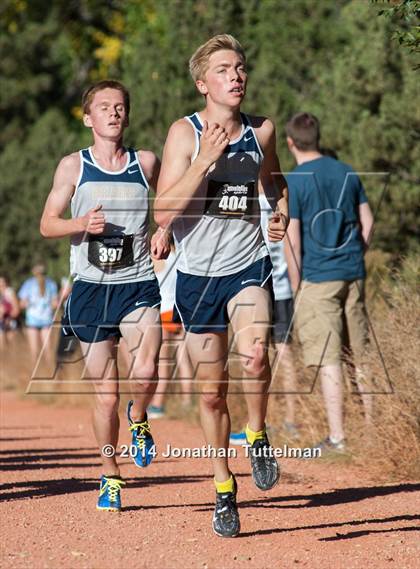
x=110 y=494
x=144 y=449
x=238 y=439
x=329 y=447
x=226 y=518
x=155 y=412
x=265 y=470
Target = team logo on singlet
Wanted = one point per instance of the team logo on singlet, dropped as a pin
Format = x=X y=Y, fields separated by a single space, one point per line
x=229 y=200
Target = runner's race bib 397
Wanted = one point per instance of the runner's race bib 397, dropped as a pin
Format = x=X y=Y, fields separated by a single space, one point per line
x=110 y=252
x=229 y=200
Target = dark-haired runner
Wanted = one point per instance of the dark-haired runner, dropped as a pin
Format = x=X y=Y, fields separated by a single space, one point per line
x=115 y=290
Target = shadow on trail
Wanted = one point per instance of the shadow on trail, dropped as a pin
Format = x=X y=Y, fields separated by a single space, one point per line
x=49 y=466
x=25 y=451
x=362 y=533
x=40 y=437
x=45 y=459
x=47 y=488
x=333 y=498
x=404 y=518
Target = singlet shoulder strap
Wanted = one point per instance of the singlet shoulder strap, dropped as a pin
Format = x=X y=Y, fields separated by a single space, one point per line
x=86 y=157
x=197 y=126
x=195 y=121
x=249 y=128
x=135 y=161
x=133 y=157
x=245 y=120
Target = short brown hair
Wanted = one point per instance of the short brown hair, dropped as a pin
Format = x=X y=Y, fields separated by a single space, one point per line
x=199 y=61
x=303 y=129
x=88 y=95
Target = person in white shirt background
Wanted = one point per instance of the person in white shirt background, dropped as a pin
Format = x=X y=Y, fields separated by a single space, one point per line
x=281 y=329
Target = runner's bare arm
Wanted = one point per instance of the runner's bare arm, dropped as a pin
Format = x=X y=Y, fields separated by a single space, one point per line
x=273 y=182
x=160 y=244
x=52 y=224
x=366 y=223
x=179 y=178
x=293 y=253
x=150 y=165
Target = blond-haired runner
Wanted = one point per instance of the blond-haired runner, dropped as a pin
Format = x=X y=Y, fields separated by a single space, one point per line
x=115 y=291
x=212 y=163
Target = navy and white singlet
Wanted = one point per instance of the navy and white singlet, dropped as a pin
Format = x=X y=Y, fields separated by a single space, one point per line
x=121 y=253
x=219 y=233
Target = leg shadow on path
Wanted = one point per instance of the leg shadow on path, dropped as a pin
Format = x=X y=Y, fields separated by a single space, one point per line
x=333 y=498
x=404 y=518
x=353 y=534
x=46 y=488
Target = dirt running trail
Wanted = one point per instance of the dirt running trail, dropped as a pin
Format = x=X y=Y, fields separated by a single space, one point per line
x=320 y=515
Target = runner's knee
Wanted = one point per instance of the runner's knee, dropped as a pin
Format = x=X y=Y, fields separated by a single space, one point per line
x=144 y=372
x=256 y=364
x=107 y=403
x=214 y=399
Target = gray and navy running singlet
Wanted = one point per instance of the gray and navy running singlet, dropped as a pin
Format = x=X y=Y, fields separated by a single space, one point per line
x=219 y=232
x=121 y=253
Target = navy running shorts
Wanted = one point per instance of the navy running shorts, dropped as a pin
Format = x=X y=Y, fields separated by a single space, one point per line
x=201 y=302
x=282 y=321
x=93 y=311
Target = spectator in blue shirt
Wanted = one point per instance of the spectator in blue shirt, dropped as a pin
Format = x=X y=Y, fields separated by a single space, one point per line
x=330 y=228
x=38 y=297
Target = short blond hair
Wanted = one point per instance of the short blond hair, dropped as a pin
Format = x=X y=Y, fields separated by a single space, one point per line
x=199 y=61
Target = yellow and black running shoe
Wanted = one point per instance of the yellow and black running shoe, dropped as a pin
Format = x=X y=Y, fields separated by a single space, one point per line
x=265 y=469
x=226 y=517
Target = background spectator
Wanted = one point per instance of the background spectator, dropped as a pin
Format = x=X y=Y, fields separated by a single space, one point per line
x=9 y=310
x=38 y=297
x=331 y=224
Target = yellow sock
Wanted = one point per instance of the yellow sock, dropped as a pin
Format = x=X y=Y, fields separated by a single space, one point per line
x=226 y=486
x=252 y=436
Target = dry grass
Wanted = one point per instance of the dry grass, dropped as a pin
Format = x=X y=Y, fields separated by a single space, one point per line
x=390 y=448
x=394 y=445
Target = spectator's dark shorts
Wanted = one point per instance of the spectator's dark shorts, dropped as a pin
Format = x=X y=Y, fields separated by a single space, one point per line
x=94 y=311
x=282 y=321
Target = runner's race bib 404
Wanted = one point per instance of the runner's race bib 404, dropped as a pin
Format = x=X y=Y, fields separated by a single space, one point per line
x=228 y=200
x=111 y=252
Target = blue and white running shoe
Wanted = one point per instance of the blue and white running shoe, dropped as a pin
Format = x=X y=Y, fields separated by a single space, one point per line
x=155 y=412
x=238 y=439
x=143 y=448
x=110 y=494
